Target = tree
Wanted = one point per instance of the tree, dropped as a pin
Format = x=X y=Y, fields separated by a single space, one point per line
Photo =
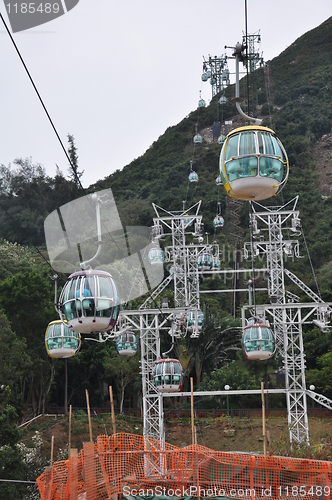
x=322 y=378
x=27 y=300
x=74 y=174
x=11 y=462
x=123 y=370
x=236 y=378
x=14 y=360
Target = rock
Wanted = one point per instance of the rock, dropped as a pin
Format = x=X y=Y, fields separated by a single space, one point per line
x=229 y=432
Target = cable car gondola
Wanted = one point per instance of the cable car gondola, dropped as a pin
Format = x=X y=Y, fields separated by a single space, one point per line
x=126 y=344
x=156 y=255
x=191 y=320
x=60 y=341
x=193 y=176
x=89 y=302
x=175 y=270
x=258 y=342
x=253 y=163
x=198 y=139
x=168 y=375
x=218 y=221
x=205 y=261
x=219 y=180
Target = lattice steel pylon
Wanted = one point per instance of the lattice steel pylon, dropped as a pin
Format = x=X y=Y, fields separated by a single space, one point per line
x=253 y=56
x=216 y=70
x=182 y=256
x=269 y=225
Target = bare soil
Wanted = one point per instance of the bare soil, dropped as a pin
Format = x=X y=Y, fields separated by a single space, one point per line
x=222 y=433
x=322 y=156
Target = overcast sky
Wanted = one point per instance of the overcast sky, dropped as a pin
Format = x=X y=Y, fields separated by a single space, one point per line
x=117 y=74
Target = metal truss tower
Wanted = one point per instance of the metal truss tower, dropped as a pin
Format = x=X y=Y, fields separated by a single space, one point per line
x=182 y=256
x=216 y=70
x=273 y=230
x=253 y=57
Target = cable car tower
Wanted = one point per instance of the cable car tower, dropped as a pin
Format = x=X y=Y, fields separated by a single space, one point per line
x=254 y=166
x=185 y=230
x=216 y=70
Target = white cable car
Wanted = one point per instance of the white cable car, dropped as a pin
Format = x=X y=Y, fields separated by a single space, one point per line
x=175 y=270
x=218 y=221
x=126 y=344
x=205 y=77
x=253 y=163
x=168 y=375
x=156 y=255
x=89 y=302
x=193 y=176
x=219 y=180
x=60 y=341
x=201 y=103
x=198 y=139
x=191 y=320
x=223 y=99
x=258 y=341
x=205 y=261
x=221 y=139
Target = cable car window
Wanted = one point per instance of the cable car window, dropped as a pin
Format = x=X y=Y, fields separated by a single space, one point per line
x=177 y=369
x=231 y=147
x=254 y=333
x=168 y=368
x=266 y=335
x=89 y=286
x=70 y=290
x=271 y=144
x=247 y=143
x=70 y=310
x=247 y=336
x=105 y=287
x=260 y=143
x=57 y=330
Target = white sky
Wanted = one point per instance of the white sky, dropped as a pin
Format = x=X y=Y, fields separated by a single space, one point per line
x=117 y=74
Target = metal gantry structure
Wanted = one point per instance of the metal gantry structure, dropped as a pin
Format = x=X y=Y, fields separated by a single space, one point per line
x=183 y=228
x=216 y=70
x=274 y=231
x=253 y=56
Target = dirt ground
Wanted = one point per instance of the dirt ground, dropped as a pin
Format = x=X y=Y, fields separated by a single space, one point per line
x=222 y=433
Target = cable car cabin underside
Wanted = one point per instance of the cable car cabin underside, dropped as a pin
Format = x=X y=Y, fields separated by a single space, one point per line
x=89 y=302
x=253 y=163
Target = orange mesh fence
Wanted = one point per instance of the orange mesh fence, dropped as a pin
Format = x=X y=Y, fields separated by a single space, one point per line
x=130 y=464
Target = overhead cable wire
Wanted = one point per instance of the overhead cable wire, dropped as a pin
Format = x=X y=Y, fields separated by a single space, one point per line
x=77 y=178
x=310 y=261
x=41 y=101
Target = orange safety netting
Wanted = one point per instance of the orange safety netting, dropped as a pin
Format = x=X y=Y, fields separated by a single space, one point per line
x=131 y=464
